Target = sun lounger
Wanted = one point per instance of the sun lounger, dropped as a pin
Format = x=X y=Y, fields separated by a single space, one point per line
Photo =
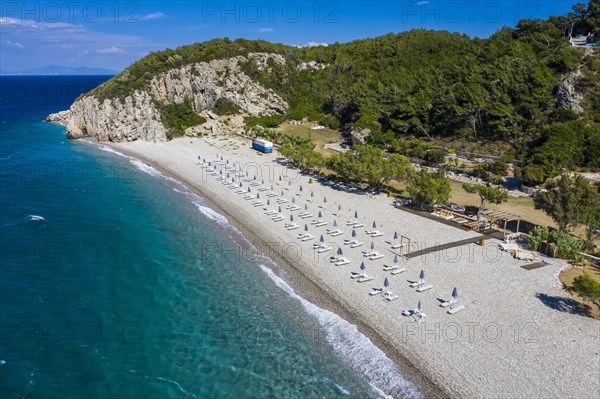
x=424 y=288
x=351 y=223
x=376 y=291
x=445 y=304
x=324 y=249
x=307 y=237
x=342 y=262
x=398 y=271
x=270 y=212
x=456 y=309
x=416 y=283
x=292 y=226
x=377 y=234
x=294 y=208
x=387 y=268
x=258 y=203
x=333 y=231
x=317 y=221
x=349 y=242
x=321 y=224
x=337 y=233
x=282 y=201
x=369 y=232
x=271 y=195
x=301 y=235
x=306 y=216
x=263 y=189
x=365 y=279
x=369 y=254
x=240 y=191
x=356 y=226
x=396 y=246
x=355 y=275
x=376 y=256
x=277 y=218
x=409 y=312
x=358 y=244
x=334 y=258
x=303 y=214
x=390 y=296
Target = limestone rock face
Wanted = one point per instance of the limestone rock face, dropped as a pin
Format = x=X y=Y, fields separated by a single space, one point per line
x=567 y=95
x=138 y=117
x=358 y=136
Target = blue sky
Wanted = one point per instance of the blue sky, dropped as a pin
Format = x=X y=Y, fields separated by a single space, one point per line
x=111 y=34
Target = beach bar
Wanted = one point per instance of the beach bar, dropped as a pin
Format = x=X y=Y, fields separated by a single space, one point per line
x=262 y=145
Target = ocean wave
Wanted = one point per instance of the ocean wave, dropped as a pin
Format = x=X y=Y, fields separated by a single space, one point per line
x=356 y=349
x=35 y=218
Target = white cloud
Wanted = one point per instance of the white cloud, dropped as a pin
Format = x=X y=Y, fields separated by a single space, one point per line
x=264 y=30
x=422 y=3
x=14 y=44
x=154 y=15
x=110 y=50
x=315 y=44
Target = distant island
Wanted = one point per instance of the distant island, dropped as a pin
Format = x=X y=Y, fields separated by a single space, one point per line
x=60 y=70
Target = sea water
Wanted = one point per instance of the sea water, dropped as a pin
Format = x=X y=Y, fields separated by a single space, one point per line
x=117 y=281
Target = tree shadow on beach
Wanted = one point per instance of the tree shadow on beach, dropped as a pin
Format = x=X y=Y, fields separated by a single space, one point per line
x=563 y=304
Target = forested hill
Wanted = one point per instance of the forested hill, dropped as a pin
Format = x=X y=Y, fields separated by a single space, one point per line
x=526 y=86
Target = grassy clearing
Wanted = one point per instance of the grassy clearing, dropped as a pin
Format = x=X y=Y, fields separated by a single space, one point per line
x=567 y=277
x=319 y=137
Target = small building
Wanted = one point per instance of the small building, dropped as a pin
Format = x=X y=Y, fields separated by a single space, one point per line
x=262 y=145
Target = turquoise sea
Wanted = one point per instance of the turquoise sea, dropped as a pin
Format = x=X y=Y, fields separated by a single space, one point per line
x=117 y=282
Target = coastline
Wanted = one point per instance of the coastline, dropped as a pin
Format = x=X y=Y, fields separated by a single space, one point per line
x=423 y=362
x=303 y=284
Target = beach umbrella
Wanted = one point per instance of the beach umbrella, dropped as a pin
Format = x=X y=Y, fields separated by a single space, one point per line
x=334 y=223
x=386 y=282
x=246 y=173
x=221 y=171
x=305 y=227
x=419 y=307
x=291 y=218
x=355 y=214
x=396 y=259
x=228 y=175
x=301 y=187
x=249 y=189
x=363 y=266
x=320 y=214
x=324 y=200
x=227 y=162
x=395 y=235
x=240 y=184
x=268 y=202
x=305 y=207
x=279 y=177
x=280 y=209
x=254 y=178
x=422 y=275
x=372 y=245
x=374 y=224
x=293 y=200
x=289 y=183
x=262 y=181
x=454 y=293
x=221 y=157
x=322 y=239
x=312 y=194
x=339 y=207
x=257 y=195
x=353 y=233
x=282 y=193
x=339 y=251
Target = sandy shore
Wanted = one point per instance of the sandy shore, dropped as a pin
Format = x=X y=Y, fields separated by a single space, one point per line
x=516 y=336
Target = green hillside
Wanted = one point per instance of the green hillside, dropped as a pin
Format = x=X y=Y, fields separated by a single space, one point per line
x=432 y=83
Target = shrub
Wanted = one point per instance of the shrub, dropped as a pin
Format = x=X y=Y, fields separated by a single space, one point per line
x=224 y=106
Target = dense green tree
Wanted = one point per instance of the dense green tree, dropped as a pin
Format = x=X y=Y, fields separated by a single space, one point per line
x=587 y=288
x=429 y=188
x=488 y=194
x=568 y=201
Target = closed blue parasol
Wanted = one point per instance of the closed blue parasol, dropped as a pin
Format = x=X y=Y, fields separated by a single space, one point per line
x=422 y=275
x=279 y=209
x=305 y=227
x=396 y=259
x=419 y=307
x=279 y=177
x=305 y=207
x=340 y=251
x=291 y=218
x=374 y=224
x=257 y=195
x=372 y=244
x=301 y=187
x=386 y=282
x=353 y=233
x=322 y=239
x=268 y=202
x=454 y=293
x=395 y=235
x=312 y=194
x=334 y=223
x=249 y=189
x=339 y=207
x=355 y=214
x=240 y=184
x=320 y=214
x=293 y=200
x=324 y=200
x=363 y=266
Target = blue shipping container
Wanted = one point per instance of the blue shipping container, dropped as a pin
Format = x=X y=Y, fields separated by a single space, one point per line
x=262 y=145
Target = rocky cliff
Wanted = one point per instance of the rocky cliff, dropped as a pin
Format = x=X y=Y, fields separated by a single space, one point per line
x=139 y=117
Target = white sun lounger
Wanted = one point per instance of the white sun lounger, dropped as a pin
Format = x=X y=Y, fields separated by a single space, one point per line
x=317 y=221
x=376 y=256
x=301 y=235
x=240 y=191
x=410 y=312
x=303 y=214
x=321 y=224
x=356 y=275
x=417 y=283
x=376 y=291
x=398 y=271
x=258 y=203
x=262 y=189
x=271 y=195
x=448 y=303
x=390 y=296
x=277 y=219
x=456 y=309
x=324 y=249
x=306 y=216
x=292 y=226
x=356 y=226
x=333 y=231
x=377 y=234
x=424 y=288
x=282 y=201
x=349 y=242
x=342 y=262
x=369 y=254
x=387 y=268
x=270 y=212
x=294 y=208
x=358 y=244
x=365 y=279
x=337 y=233
x=307 y=237
x=351 y=223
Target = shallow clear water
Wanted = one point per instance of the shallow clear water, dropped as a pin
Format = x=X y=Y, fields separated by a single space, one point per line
x=118 y=282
